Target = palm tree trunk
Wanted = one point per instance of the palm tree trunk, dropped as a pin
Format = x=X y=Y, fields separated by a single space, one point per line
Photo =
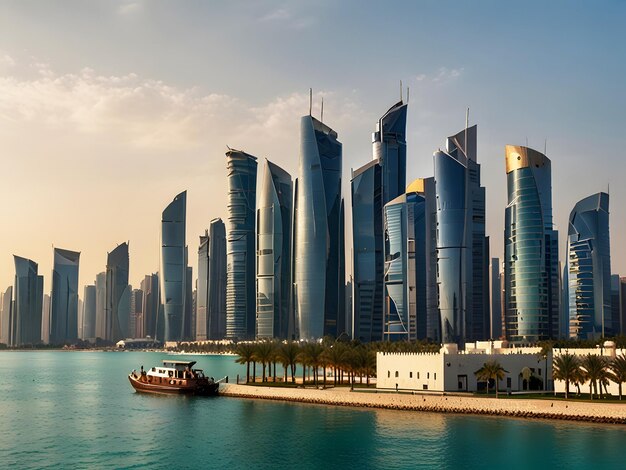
x=274 y=371
x=620 y=390
x=566 y=389
x=324 y=375
x=496 y=380
x=254 y=371
x=303 y=374
x=248 y=372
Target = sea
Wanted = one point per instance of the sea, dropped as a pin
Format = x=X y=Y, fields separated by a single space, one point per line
x=78 y=410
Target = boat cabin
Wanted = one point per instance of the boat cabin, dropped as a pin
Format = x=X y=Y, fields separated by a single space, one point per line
x=177 y=370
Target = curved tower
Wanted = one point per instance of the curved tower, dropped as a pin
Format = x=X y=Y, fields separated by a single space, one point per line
x=318 y=241
x=173 y=268
x=64 y=298
x=531 y=273
x=240 y=249
x=274 y=253
x=589 y=269
x=117 y=303
x=462 y=248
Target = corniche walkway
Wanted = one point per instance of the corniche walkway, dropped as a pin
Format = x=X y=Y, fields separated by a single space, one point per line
x=614 y=413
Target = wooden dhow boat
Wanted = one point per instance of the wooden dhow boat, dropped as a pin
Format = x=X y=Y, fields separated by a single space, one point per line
x=174 y=377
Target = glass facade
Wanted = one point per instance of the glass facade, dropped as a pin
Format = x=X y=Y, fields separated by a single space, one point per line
x=101 y=296
x=89 y=313
x=64 y=298
x=150 y=304
x=462 y=247
x=173 y=272
x=202 y=288
x=495 y=296
x=217 y=280
x=274 y=215
x=589 y=269
x=27 y=306
x=117 y=302
x=368 y=262
x=240 y=246
x=531 y=267
x=6 y=307
x=319 y=286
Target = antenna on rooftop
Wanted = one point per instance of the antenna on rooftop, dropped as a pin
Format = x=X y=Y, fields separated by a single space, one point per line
x=466 y=126
x=322 y=113
x=400 y=90
x=310 y=100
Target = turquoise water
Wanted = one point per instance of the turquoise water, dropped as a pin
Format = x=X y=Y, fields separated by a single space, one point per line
x=77 y=410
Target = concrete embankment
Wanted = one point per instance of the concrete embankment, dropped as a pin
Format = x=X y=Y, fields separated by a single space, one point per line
x=614 y=413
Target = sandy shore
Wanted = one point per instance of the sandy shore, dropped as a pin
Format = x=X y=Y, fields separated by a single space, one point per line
x=523 y=408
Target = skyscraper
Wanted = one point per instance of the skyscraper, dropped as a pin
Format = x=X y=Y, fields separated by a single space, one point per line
x=589 y=269
x=64 y=297
x=45 y=319
x=189 y=325
x=407 y=264
x=202 y=287
x=319 y=270
x=101 y=300
x=117 y=306
x=89 y=313
x=531 y=266
x=240 y=285
x=462 y=248
x=274 y=253
x=26 y=313
x=6 y=310
x=216 y=303
x=150 y=304
x=495 y=297
x=174 y=268
x=136 y=314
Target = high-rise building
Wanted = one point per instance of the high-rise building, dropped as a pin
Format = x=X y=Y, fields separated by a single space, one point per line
x=26 y=312
x=202 y=288
x=136 y=314
x=101 y=300
x=241 y=258
x=589 y=269
x=531 y=266
x=462 y=247
x=189 y=322
x=117 y=306
x=495 y=299
x=216 y=303
x=89 y=313
x=64 y=297
x=174 y=268
x=319 y=277
x=6 y=308
x=45 y=319
x=622 y=307
x=615 y=301
x=406 y=265
x=273 y=280
x=150 y=304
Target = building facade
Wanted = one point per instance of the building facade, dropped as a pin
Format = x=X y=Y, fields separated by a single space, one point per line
x=6 y=315
x=495 y=300
x=240 y=246
x=64 y=297
x=589 y=269
x=319 y=276
x=89 y=313
x=101 y=300
x=28 y=303
x=274 y=215
x=150 y=304
x=117 y=301
x=462 y=247
x=173 y=274
x=531 y=266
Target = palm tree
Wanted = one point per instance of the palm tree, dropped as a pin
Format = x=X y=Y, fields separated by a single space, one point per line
x=245 y=351
x=311 y=355
x=491 y=370
x=263 y=353
x=288 y=356
x=595 y=368
x=334 y=358
x=566 y=367
x=618 y=372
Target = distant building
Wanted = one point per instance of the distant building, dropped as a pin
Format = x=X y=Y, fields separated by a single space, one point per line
x=150 y=304
x=136 y=314
x=189 y=322
x=202 y=287
x=462 y=247
x=622 y=305
x=89 y=313
x=64 y=297
x=273 y=309
x=495 y=291
x=216 y=289
x=615 y=303
x=319 y=261
x=173 y=274
x=26 y=312
x=589 y=269
x=45 y=319
x=101 y=300
x=117 y=306
x=6 y=310
x=241 y=257
x=531 y=266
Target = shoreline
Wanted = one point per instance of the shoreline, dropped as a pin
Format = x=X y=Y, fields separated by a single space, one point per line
x=608 y=413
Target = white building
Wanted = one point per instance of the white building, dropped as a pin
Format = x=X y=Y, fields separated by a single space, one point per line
x=451 y=370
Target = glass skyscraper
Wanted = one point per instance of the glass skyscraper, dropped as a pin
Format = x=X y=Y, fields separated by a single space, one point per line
x=27 y=307
x=531 y=266
x=202 y=287
x=174 y=268
x=117 y=302
x=150 y=304
x=216 y=303
x=589 y=269
x=274 y=215
x=101 y=300
x=64 y=298
x=6 y=308
x=240 y=249
x=406 y=265
x=89 y=313
x=462 y=247
x=319 y=276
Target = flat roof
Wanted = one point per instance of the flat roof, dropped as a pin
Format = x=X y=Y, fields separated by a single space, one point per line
x=184 y=363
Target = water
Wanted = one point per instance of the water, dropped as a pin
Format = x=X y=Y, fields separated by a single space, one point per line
x=77 y=410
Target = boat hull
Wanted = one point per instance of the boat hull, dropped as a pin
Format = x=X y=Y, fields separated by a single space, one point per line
x=205 y=388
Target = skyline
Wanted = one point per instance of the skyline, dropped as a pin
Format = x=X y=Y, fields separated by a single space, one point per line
x=70 y=121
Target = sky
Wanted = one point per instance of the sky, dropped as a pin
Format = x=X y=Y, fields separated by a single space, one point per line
x=108 y=109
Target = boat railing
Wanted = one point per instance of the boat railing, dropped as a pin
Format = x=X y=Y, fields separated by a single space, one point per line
x=223 y=380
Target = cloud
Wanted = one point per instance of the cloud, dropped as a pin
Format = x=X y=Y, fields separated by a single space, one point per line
x=279 y=14
x=129 y=8
x=6 y=61
x=442 y=75
x=287 y=17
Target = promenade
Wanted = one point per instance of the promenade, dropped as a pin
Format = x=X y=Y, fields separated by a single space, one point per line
x=514 y=407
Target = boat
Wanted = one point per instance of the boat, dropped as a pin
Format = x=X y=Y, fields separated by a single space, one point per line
x=174 y=377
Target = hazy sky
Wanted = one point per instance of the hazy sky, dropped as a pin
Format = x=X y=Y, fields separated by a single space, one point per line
x=108 y=109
